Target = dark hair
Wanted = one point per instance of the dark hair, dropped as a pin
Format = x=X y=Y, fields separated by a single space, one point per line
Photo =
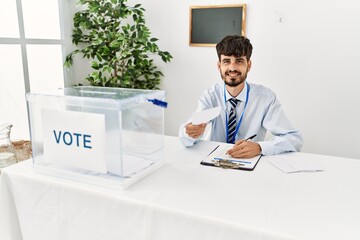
x=234 y=45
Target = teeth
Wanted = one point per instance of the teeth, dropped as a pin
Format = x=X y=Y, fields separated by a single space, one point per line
x=233 y=74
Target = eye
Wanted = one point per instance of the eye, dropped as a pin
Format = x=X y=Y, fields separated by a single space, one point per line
x=239 y=60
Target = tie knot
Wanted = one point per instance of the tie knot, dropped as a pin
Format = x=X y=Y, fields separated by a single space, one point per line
x=233 y=102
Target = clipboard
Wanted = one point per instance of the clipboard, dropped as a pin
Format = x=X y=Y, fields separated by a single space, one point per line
x=218 y=158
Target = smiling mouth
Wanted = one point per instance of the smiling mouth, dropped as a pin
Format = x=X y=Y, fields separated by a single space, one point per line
x=233 y=74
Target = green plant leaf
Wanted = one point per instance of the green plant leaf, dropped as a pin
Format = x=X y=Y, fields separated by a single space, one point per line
x=121 y=50
x=115 y=44
x=135 y=17
x=94 y=65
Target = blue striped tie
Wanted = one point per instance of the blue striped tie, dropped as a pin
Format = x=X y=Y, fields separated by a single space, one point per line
x=232 y=121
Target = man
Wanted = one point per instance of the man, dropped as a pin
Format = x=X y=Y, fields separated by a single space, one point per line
x=246 y=109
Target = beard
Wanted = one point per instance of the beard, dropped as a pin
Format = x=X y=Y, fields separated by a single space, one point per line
x=233 y=81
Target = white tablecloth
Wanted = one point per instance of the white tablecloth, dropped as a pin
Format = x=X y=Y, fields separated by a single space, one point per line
x=184 y=200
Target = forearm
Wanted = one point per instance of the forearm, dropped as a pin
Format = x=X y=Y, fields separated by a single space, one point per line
x=291 y=142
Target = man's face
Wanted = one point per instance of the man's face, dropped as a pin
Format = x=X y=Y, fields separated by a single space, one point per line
x=233 y=69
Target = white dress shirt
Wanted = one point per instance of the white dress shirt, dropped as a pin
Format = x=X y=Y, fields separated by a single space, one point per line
x=263 y=113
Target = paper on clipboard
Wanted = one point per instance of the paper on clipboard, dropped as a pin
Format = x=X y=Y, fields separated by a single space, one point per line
x=205 y=116
x=219 y=153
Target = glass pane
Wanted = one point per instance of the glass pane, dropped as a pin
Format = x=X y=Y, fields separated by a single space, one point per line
x=8 y=19
x=12 y=92
x=45 y=67
x=41 y=19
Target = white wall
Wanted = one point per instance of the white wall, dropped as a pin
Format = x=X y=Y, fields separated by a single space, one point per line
x=309 y=58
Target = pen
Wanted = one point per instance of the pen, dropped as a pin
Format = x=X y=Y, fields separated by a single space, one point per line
x=214 y=150
x=251 y=137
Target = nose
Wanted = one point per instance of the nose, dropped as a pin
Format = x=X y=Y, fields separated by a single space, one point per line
x=232 y=66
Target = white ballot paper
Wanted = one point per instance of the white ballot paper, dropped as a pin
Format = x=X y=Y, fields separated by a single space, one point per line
x=294 y=164
x=205 y=116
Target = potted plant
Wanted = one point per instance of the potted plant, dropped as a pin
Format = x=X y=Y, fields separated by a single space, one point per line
x=118 y=42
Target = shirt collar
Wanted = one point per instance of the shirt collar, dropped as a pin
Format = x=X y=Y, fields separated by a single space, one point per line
x=241 y=97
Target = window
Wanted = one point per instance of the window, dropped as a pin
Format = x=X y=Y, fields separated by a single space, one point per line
x=32 y=51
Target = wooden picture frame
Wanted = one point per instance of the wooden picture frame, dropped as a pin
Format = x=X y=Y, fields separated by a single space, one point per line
x=210 y=24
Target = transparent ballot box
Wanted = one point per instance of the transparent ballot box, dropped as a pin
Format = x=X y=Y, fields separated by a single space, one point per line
x=105 y=136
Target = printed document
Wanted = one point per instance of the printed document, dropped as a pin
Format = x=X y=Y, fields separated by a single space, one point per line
x=294 y=164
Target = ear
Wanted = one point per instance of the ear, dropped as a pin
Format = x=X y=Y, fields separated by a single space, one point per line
x=249 y=65
x=218 y=65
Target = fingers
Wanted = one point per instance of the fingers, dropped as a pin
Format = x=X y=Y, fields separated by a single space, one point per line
x=239 y=142
x=244 y=149
x=195 y=131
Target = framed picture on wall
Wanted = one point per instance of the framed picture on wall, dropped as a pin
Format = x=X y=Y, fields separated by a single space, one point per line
x=210 y=24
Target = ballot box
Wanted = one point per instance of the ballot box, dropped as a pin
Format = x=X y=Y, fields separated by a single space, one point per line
x=105 y=136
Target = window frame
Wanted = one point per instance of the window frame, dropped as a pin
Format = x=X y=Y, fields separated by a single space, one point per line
x=65 y=21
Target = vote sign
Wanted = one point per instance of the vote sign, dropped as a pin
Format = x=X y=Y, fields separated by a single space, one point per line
x=74 y=139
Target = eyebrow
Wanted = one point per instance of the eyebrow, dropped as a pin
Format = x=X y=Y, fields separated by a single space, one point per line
x=236 y=58
x=242 y=57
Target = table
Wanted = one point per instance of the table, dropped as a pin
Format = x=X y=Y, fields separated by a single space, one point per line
x=184 y=200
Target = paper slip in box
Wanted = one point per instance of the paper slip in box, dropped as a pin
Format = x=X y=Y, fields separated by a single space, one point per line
x=105 y=136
